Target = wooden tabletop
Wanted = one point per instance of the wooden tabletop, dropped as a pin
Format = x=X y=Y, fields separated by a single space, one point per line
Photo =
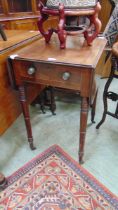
x=76 y=53
x=16 y=37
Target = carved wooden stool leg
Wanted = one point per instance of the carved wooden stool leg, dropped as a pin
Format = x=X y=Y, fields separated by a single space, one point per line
x=47 y=96
x=96 y=22
x=25 y=110
x=3 y=181
x=43 y=17
x=53 y=104
x=49 y=99
x=41 y=102
x=61 y=31
x=83 y=125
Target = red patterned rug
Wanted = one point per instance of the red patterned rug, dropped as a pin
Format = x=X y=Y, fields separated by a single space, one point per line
x=54 y=181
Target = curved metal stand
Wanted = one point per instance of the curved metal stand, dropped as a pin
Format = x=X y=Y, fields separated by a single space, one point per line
x=109 y=95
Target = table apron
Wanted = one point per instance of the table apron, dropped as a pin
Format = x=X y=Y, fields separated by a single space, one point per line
x=64 y=76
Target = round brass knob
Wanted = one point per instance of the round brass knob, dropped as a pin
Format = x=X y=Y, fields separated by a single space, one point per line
x=66 y=76
x=31 y=70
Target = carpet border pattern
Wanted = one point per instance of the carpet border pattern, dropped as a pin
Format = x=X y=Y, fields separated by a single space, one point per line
x=78 y=169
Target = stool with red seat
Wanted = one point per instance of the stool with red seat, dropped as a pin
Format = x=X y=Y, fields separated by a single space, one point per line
x=69 y=13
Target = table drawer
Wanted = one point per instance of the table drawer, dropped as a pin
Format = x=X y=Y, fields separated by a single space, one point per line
x=50 y=74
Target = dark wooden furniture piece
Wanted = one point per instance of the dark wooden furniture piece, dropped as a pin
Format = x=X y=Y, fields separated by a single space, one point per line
x=46 y=98
x=105 y=15
x=68 y=13
x=72 y=68
x=9 y=107
x=19 y=14
x=109 y=94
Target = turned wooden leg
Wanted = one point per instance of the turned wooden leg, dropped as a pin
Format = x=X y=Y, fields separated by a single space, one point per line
x=61 y=31
x=94 y=20
x=43 y=17
x=3 y=181
x=83 y=125
x=25 y=110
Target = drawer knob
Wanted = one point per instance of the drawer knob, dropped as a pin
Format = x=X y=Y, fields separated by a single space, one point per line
x=66 y=76
x=31 y=70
